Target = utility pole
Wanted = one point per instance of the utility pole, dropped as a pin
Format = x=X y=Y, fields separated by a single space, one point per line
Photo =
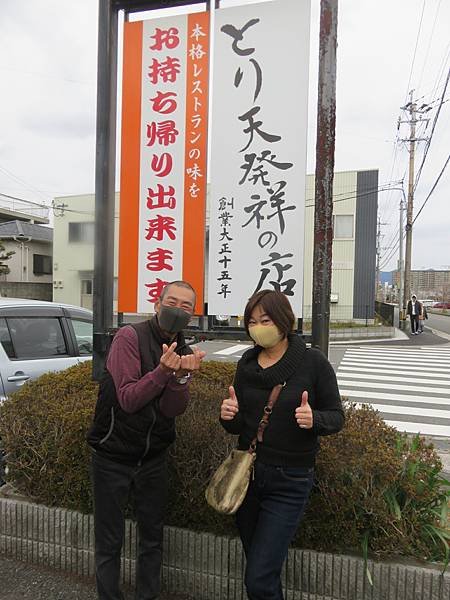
x=411 y=107
x=377 y=271
x=400 y=262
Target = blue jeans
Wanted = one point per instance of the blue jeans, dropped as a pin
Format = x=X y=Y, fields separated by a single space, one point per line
x=267 y=521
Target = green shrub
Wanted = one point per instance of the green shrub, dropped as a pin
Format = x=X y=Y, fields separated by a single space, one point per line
x=374 y=485
x=43 y=426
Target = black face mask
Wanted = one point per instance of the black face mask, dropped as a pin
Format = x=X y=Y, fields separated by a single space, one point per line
x=172 y=319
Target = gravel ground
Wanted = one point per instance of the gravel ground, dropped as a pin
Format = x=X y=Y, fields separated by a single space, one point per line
x=23 y=581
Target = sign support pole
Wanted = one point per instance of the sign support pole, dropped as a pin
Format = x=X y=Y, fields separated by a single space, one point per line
x=105 y=165
x=323 y=212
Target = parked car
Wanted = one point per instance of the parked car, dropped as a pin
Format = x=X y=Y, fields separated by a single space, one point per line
x=37 y=337
x=427 y=303
x=445 y=305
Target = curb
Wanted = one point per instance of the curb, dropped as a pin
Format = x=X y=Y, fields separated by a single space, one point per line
x=206 y=566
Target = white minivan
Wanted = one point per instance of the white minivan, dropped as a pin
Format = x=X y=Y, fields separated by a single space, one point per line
x=37 y=337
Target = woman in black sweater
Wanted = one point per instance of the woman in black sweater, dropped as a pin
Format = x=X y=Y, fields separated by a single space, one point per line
x=309 y=405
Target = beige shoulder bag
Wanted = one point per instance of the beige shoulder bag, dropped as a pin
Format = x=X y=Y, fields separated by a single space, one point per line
x=228 y=486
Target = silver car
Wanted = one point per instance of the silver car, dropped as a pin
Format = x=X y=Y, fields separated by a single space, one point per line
x=37 y=337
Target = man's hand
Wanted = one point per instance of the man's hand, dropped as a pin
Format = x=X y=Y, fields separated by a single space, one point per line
x=303 y=413
x=191 y=362
x=169 y=361
x=230 y=406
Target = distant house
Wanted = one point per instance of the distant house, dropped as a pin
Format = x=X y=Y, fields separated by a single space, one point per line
x=31 y=265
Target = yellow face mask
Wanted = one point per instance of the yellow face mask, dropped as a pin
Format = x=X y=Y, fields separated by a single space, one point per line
x=266 y=336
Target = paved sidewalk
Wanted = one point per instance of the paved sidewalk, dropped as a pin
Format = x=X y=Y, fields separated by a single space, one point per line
x=24 y=581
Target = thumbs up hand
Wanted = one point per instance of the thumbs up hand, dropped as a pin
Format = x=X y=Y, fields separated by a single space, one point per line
x=303 y=413
x=230 y=406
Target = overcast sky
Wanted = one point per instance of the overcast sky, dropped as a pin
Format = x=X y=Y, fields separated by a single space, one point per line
x=48 y=51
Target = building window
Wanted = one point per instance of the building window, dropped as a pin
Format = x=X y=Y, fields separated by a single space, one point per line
x=82 y=232
x=343 y=227
x=42 y=264
x=86 y=287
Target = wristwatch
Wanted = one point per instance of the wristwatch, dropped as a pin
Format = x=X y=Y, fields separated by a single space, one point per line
x=183 y=379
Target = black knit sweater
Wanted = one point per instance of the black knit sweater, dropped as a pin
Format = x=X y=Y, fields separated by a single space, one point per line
x=302 y=368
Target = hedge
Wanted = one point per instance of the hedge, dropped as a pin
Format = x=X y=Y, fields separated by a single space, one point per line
x=375 y=488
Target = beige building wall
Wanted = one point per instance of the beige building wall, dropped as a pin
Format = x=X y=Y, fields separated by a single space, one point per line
x=73 y=261
x=21 y=263
x=342 y=279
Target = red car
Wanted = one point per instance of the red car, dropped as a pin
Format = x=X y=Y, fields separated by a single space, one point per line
x=441 y=305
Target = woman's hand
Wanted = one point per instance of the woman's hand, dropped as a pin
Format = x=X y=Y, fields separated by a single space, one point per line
x=230 y=406
x=303 y=413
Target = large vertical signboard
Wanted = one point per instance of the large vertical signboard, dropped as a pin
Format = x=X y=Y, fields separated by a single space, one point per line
x=258 y=153
x=163 y=167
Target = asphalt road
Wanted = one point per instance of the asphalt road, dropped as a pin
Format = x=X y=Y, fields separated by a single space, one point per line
x=24 y=581
x=439 y=322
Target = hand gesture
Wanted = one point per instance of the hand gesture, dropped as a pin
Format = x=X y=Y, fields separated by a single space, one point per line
x=230 y=406
x=191 y=362
x=169 y=361
x=303 y=413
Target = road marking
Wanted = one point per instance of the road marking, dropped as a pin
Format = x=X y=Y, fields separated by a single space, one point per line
x=396 y=386
x=406 y=379
x=394 y=397
x=362 y=364
x=232 y=349
x=442 y=362
x=408 y=410
x=441 y=377
x=422 y=428
x=416 y=381
x=408 y=353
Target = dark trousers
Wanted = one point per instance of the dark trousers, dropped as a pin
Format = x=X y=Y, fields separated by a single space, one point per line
x=267 y=521
x=112 y=484
x=414 y=323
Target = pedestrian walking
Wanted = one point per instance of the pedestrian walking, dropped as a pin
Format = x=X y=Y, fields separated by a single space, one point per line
x=308 y=406
x=144 y=387
x=422 y=317
x=414 y=309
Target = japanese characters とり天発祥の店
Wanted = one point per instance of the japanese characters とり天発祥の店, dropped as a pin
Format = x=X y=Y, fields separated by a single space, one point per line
x=258 y=153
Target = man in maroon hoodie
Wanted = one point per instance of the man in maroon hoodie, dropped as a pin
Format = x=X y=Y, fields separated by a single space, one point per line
x=144 y=387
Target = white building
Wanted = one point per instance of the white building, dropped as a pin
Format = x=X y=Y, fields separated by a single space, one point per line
x=30 y=267
x=354 y=246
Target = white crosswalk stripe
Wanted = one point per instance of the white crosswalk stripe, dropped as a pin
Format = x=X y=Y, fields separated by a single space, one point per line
x=232 y=349
x=410 y=387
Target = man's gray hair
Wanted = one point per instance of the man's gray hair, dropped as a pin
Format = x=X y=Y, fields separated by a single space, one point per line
x=179 y=283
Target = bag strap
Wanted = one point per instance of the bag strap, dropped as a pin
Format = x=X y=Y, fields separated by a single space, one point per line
x=274 y=394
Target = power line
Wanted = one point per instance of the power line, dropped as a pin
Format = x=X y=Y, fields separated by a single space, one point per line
x=433 y=188
x=366 y=193
x=429 y=44
x=21 y=181
x=395 y=248
x=415 y=50
x=441 y=70
x=23 y=200
x=428 y=144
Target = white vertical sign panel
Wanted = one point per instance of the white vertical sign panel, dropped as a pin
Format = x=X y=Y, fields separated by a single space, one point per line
x=163 y=166
x=163 y=72
x=258 y=153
